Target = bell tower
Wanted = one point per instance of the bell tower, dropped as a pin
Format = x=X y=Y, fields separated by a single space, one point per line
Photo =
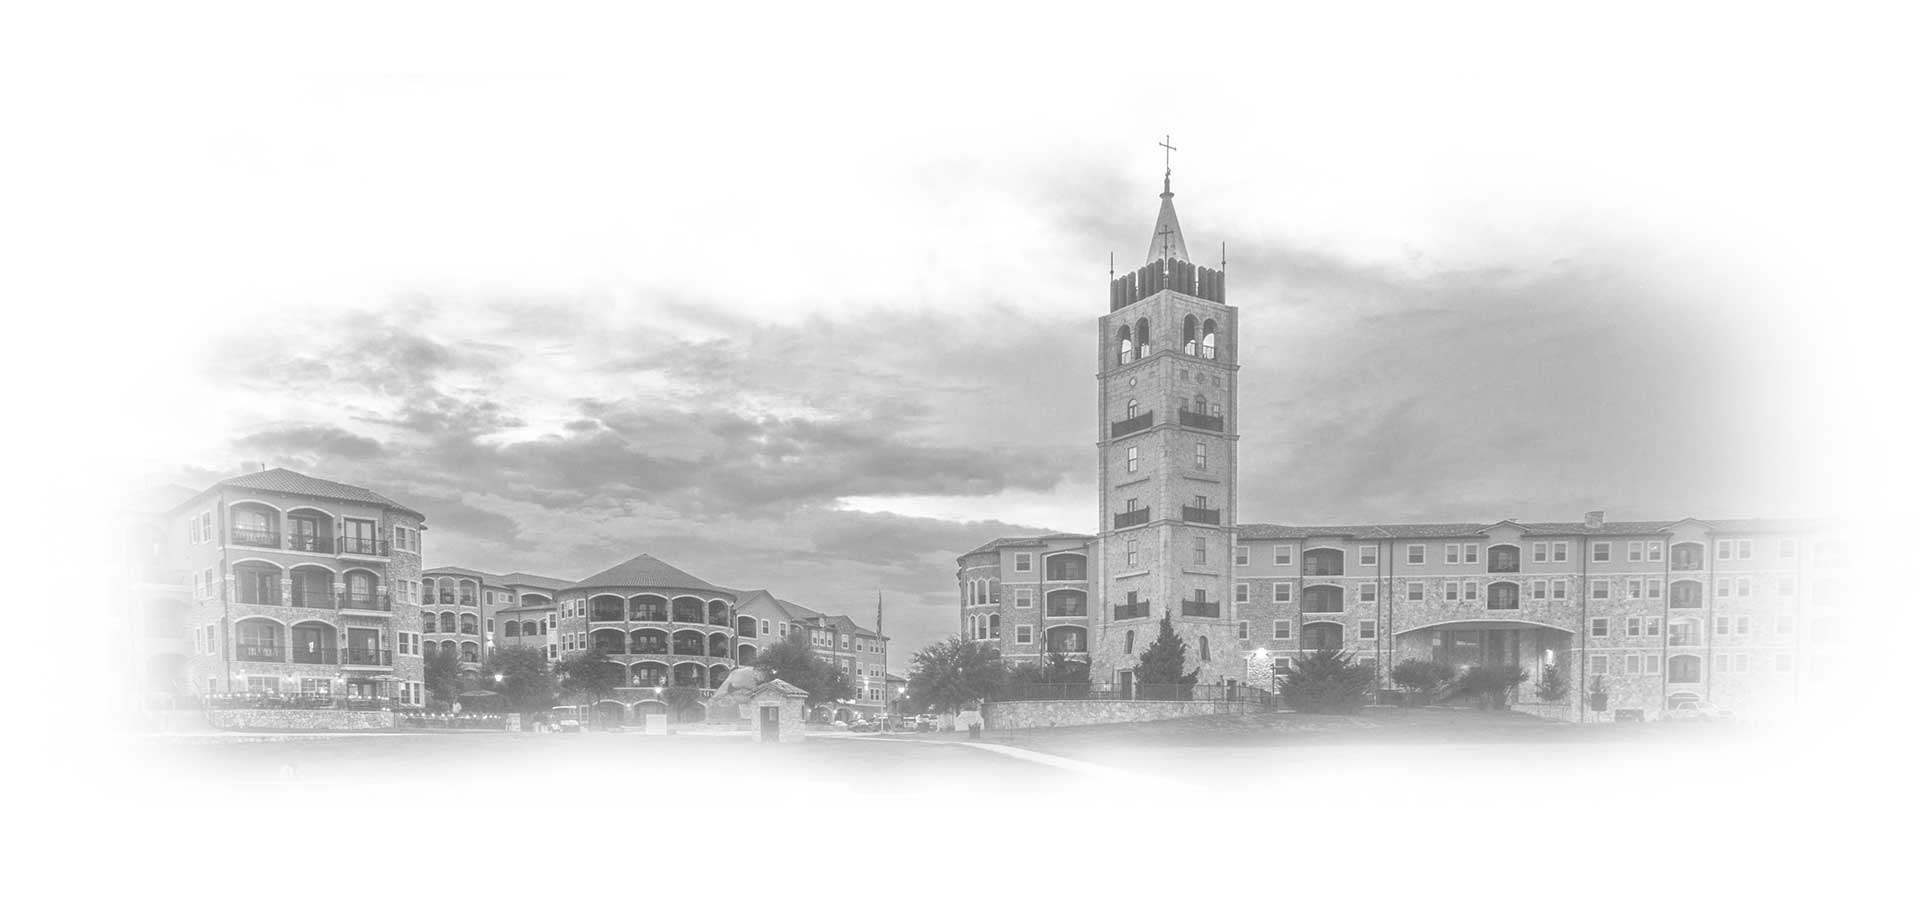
x=1167 y=417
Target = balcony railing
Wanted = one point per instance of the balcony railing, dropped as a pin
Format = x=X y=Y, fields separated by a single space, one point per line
x=1123 y=611
x=1195 y=609
x=356 y=656
x=610 y=651
x=260 y=597
x=1499 y=567
x=606 y=615
x=446 y=597
x=316 y=657
x=254 y=652
x=1130 y=519
x=313 y=599
x=468 y=599
x=1198 y=515
x=721 y=620
x=362 y=546
x=1316 y=569
x=688 y=650
x=1066 y=610
x=657 y=649
x=248 y=536
x=300 y=543
x=1216 y=423
x=655 y=615
x=373 y=602
x=1133 y=424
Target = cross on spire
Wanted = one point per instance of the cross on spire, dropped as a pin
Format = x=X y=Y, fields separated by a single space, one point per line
x=1167 y=182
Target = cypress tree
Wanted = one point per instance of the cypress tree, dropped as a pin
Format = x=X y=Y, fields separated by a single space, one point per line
x=1162 y=665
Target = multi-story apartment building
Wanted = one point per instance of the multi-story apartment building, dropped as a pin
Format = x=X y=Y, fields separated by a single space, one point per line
x=1641 y=616
x=153 y=627
x=665 y=626
x=473 y=611
x=840 y=641
x=299 y=585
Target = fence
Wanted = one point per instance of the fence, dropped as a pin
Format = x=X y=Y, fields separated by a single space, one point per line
x=1196 y=693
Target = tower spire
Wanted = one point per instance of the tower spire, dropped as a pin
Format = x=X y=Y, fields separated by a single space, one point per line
x=1168 y=243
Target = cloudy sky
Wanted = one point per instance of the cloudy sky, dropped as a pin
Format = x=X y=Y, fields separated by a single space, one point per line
x=807 y=303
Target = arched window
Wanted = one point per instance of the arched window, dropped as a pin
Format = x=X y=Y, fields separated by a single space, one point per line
x=1321 y=636
x=1683 y=669
x=1199 y=404
x=1133 y=408
x=1688 y=557
x=359 y=589
x=447 y=623
x=1140 y=338
x=649 y=641
x=1503 y=595
x=649 y=674
x=1126 y=345
x=1190 y=336
x=513 y=628
x=257 y=584
x=1684 y=594
x=993 y=626
x=1208 y=343
x=1129 y=648
x=469 y=624
x=312 y=587
x=1206 y=654
x=258 y=640
x=717 y=645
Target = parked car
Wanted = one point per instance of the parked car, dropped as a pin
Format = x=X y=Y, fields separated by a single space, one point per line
x=865 y=726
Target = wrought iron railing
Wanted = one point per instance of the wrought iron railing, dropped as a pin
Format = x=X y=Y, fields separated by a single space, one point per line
x=309 y=543
x=1214 y=422
x=316 y=657
x=259 y=652
x=1133 y=424
x=1196 y=609
x=362 y=656
x=362 y=546
x=248 y=536
x=1125 y=611
x=373 y=602
x=1130 y=519
x=1197 y=515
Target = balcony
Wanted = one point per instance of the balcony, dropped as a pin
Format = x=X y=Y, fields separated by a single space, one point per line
x=366 y=602
x=1132 y=519
x=249 y=536
x=1197 y=609
x=255 y=652
x=1067 y=610
x=1125 y=611
x=304 y=543
x=316 y=657
x=1197 y=515
x=1214 y=422
x=363 y=546
x=650 y=649
x=1132 y=425
x=367 y=657
x=649 y=615
x=468 y=599
x=312 y=599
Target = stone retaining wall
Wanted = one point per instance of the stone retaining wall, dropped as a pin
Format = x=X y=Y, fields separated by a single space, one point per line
x=1061 y=713
x=301 y=720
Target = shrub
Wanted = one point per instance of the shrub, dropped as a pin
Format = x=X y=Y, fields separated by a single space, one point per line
x=1420 y=676
x=1553 y=686
x=1493 y=684
x=1325 y=682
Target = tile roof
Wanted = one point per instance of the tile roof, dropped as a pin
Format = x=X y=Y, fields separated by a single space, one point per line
x=281 y=480
x=523 y=579
x=645 y=571
x=1259 y=531
x=1006 y=542
x=793 y=611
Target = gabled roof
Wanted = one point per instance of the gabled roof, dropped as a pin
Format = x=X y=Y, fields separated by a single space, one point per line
x=777 y=686
x=792 y=611
x=542 y=582
x=645 y=571
x=293 y=483
x=1013 y=542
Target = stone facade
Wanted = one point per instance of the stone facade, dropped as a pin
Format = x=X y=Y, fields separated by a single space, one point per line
x=1014 y=715
x=1656 y=616
x=301 y=720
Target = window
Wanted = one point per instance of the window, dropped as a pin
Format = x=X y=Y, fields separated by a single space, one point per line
x=1243 y=630
x=1417 y=554
x=1200 y=455
x=1786 y=586
x=1369 y=555
x=1633 y=626
x=1636 y=551
x=1206 y=655
x=1023 y=634
x=1129 y=642
x=1602 y=588
x=1603 y=552
x=1655 y=550
x=1539 y=552
x=1740 y=662
x=1743 y=624
x=1783 y=662
x=1199 y=550
x=1369 y=592
x=1023 y=597
x=1597 y=627
x=1133 y=459
x=1453 y=591
x=1282 y=630
x=1368 y=628
x=1789 y=548
x=1242 y=592
x=1453 y=553
x=1723 y=587
x=1722 y=625
x=1472 y=589
x=1597 y=663
x=1473 y=553
x=1133 y=408
x=1133 y=553
x=1653 y=626
x=1783 y=624
x=1560 y=552
x=1282 y=592
x=1633 y=588
x=1743 y=587
x=1283 y=555
x=1539 y=590
x=1241 y=555
x=1744 y=549
x=1683 y=669
x=1023 y=561
x=1503 y=595
x=1723 y=549
x=1416 y=591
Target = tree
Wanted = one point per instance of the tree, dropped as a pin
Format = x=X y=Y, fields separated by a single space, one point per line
x=1493 y=684
x=524 y=681
x=591 y=675
x=1553 y=686
x=443 y=675
x=1326 y=681
x=953 y=674
x=794 y=662
x=1160 y=671
x=683 y=701
x=1420 y=677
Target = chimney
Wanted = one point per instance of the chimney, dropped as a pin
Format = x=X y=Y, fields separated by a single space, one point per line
x=1595 y=519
